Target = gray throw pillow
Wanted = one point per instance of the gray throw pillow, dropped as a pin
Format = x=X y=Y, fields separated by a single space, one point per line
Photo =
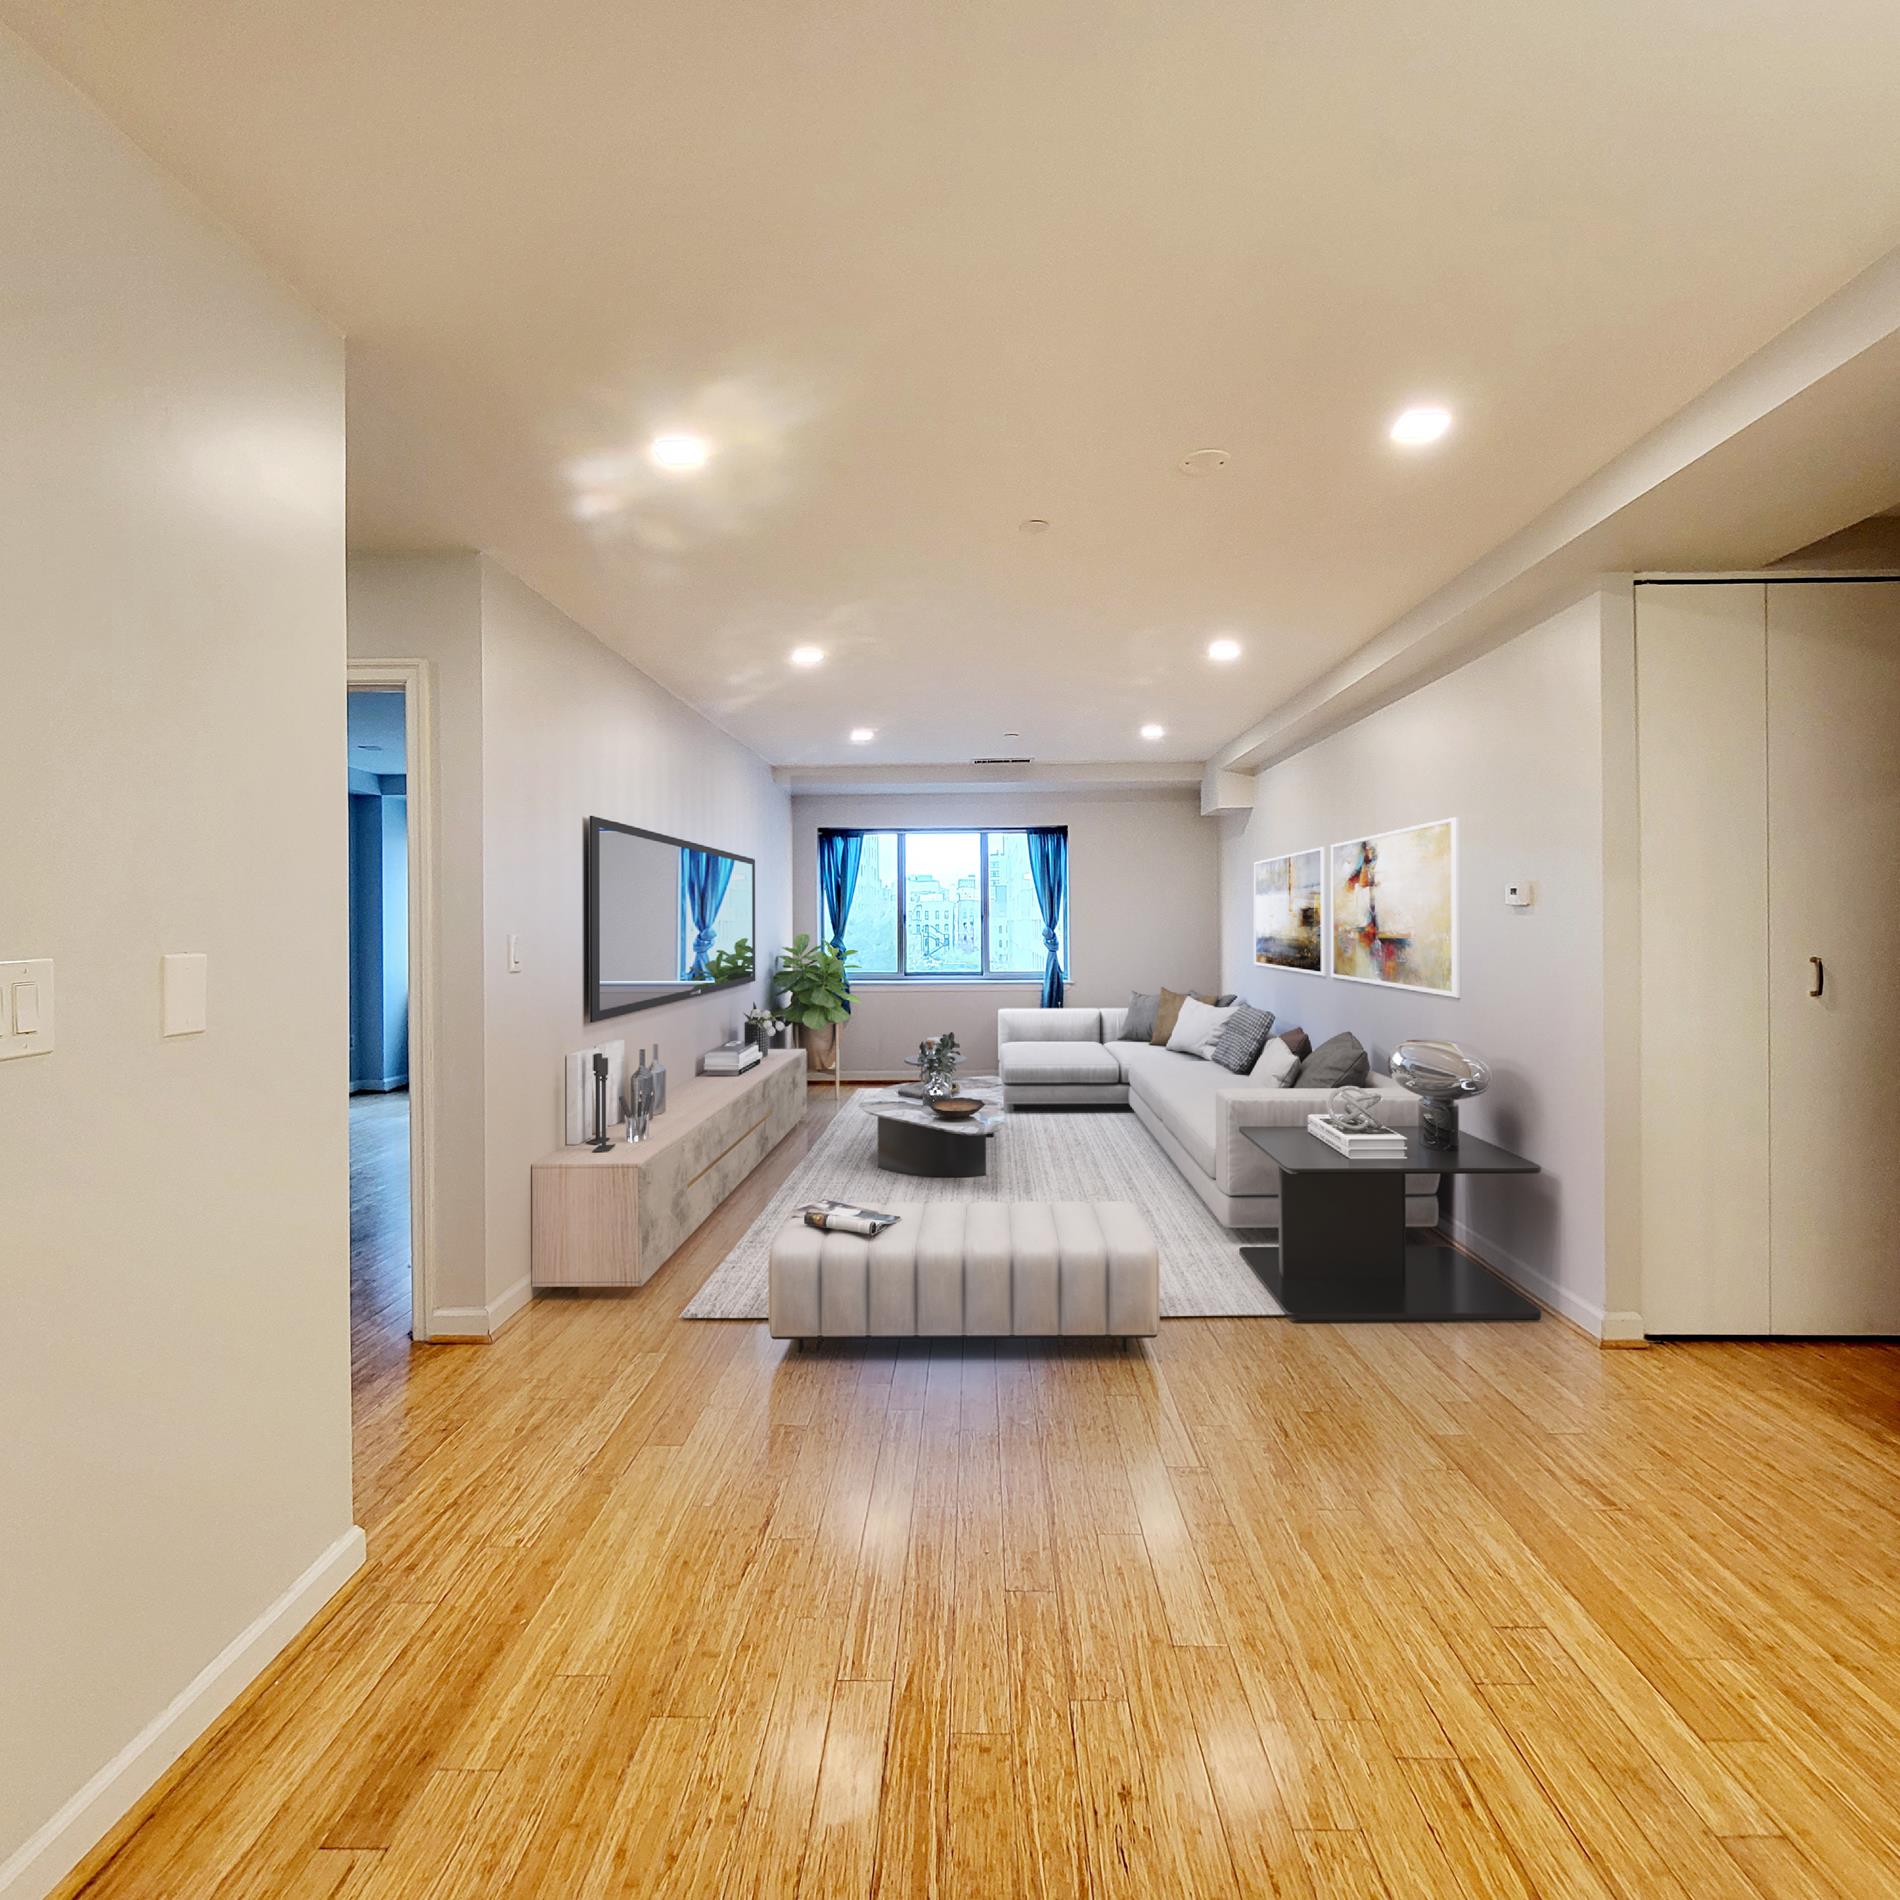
x=1243 y=1039
x=1139 y=1024
x=1227 y=1001
x=1339 y=1062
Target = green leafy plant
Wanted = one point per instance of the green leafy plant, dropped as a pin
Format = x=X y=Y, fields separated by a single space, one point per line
x=811 y=978
x=939 y=1056
x=730 y=966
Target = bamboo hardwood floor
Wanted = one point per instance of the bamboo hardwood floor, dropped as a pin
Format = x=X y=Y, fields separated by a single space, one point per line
x=656 y=1608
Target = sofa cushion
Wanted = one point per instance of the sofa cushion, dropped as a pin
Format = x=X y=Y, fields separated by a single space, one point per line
x=1243 y=1039
x=1199 y=1028
x=1339 y=1062
x=1168 y=1012
x=1138 y=1020
x=1048 y=1025
x=1113 y=1021
x=1180 y=1093
x=1277 y=1064
x=1057 y=1064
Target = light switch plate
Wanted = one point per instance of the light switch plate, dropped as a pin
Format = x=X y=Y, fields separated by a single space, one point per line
x=26 y=996
x=182 y=987
x=1520 y=896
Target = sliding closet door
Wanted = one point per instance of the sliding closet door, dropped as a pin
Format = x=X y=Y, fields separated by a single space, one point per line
x=1834 y=926
x=1702 y=759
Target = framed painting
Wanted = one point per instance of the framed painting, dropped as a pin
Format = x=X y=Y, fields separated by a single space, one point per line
x=1288 y=912
x=1395 y=908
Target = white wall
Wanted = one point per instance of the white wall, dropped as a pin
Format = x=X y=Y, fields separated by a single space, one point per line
x=1144 y=893
x=1512 y=747
x=174 y=1363
x=429 y=607
x=570 y=731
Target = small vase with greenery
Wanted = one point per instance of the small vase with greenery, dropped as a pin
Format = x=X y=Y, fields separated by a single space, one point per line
x=810 y=977
x=937 y=1057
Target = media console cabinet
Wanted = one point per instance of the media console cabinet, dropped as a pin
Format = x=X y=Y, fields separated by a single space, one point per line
x=616 y=1219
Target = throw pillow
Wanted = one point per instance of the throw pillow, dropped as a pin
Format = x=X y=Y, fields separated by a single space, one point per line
x=1199 y=1028
x=1339 y=1062
x=1277 y=1065
x=1139 y=1024
x=1167 y=1010
x=1298 y=1041
x=1222 y=1002
x=1243 y=1039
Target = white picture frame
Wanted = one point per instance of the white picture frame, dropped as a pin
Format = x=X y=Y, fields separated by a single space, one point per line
x=1416 y=865
x=1280 y=895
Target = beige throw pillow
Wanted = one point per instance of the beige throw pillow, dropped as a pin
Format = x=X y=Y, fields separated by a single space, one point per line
x=1170 y=1009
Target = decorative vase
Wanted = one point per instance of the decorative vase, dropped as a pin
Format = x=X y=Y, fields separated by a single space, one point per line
x=1441 y=1075
x=939 y=1084
x=761 y=1034
x=820 y=1046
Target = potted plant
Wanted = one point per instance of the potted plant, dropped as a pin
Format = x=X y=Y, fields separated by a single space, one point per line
x=759 y=1024
x=811 y=978
x=937 y=1057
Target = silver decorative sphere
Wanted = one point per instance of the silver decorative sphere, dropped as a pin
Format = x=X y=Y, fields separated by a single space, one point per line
x=1442 y=1075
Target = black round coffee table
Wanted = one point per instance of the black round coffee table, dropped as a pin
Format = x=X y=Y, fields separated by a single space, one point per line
x=913 y=1140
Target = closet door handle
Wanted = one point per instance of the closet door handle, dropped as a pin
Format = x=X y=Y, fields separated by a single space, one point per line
x=1820 y=976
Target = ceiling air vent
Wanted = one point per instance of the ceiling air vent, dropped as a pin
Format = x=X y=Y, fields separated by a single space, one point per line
x=1002 y=761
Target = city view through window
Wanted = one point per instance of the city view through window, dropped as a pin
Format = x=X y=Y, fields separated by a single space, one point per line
x=947 y=903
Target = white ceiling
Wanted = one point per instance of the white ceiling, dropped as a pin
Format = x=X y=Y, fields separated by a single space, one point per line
x=923 y=271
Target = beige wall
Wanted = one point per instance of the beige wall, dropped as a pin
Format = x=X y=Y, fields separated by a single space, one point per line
x=571 y=730
x=1512 y=746
x=429 y=607
x=174 y=1365
x=1144 y=891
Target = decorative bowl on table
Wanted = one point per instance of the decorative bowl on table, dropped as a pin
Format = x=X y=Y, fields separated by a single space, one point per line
x=954 y=1108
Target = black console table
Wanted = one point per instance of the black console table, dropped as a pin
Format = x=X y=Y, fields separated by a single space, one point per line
x=1343 y=1253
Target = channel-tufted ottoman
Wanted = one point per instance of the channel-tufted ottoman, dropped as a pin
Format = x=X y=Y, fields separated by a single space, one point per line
x=973 y=1269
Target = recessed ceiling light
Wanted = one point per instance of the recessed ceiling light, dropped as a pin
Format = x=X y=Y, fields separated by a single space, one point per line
x=1154 y=732
x=1034 y=525
x=1204 y=462
x=807 y=656
x=862 y=735
x=679 y=454
x=1418 y=426
x=1223 y=650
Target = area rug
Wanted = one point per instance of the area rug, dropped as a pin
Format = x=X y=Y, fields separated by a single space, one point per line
x=1037 y=1155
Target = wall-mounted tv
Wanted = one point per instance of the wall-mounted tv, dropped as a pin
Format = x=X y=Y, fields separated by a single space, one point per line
x=665 y=918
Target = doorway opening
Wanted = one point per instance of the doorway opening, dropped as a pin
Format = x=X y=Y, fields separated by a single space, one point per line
x=382 y=1253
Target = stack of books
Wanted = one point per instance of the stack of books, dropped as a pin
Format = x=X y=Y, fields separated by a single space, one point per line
x=1369 y=1144
x=730 y=1058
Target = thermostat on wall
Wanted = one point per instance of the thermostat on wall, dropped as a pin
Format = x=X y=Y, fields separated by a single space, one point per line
x=1519 y=896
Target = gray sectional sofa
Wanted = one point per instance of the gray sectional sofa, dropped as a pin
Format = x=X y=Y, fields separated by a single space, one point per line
x=1195 y=1110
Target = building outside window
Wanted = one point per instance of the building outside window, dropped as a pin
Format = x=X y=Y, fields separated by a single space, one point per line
x=958 y=904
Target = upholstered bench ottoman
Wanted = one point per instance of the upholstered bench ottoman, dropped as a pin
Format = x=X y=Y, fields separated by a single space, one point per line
x=971 y=1269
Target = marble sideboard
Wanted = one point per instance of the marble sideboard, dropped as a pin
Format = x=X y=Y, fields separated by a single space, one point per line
x=615 y=1219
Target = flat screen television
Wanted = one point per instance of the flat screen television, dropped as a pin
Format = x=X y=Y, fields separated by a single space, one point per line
x=665 y=918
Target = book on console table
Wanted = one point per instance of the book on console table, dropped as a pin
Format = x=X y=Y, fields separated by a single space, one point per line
x=1377 y=1144
x=731 y=1058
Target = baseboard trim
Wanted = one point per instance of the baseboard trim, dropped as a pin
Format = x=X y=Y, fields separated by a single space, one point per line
x=51 y=1853
x=507 y=1305
x=478 y=1322
x=1530 y=1280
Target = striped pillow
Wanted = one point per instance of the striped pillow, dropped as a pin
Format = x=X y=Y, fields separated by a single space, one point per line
x=1243 y=1039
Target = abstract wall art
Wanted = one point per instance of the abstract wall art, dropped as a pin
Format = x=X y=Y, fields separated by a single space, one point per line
x=1288 y=894
x=1395 y=908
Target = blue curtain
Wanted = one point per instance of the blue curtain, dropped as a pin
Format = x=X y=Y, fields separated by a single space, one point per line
x=838 y=855
x=1049 y=872
x=705 y=877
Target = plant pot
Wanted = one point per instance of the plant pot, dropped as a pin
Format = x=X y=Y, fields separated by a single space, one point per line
x=761 y=1034
x=821 y=1048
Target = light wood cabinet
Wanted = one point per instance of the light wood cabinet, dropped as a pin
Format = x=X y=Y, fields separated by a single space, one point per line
x=615 y=1219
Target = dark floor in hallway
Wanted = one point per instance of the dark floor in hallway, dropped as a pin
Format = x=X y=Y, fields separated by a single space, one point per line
x=379 y=1224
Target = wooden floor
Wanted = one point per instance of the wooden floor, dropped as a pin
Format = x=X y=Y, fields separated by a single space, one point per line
x=655 y=1608
x=379 y=1234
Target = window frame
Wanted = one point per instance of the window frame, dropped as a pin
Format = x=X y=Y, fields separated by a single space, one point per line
x=983 y=974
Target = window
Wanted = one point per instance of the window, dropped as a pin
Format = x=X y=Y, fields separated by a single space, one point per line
x=949 y=904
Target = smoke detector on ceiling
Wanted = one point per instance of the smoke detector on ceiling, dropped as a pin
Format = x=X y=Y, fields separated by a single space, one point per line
x=1204 y=462
x=1002 y=761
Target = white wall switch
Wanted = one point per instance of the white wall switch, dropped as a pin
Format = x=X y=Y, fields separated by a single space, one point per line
x=182 y=985
x=1520 y=896
x=514 y=954
x=26 y=1008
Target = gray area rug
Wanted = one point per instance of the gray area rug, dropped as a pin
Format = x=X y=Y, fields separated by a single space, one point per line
x=1037 y=1155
